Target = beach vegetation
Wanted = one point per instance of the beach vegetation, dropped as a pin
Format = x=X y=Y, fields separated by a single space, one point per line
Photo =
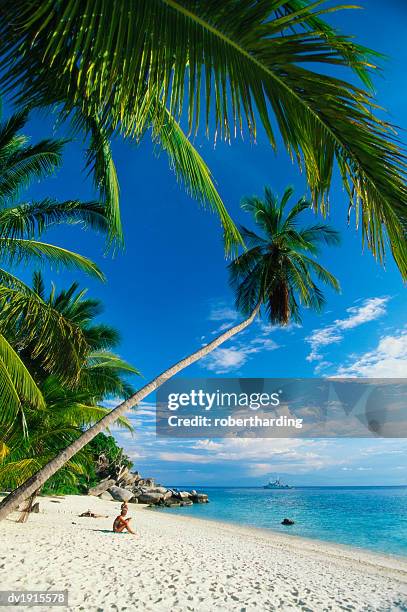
x=33 y=438
x=27 y=322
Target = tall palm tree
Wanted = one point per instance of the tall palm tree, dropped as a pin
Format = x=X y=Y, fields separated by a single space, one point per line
x=130 y=67
x=29 y=443
x=21 y=226
x=275 y=276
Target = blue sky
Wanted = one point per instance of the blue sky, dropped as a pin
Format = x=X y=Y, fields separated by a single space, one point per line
x=168 y=292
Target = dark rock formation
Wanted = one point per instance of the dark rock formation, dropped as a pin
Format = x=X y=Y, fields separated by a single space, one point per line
x=148 y=497
x=103 y=486
x=120 y=494
x=106 y=496
x=287 y=521
x=130 y=487
x=200 y=498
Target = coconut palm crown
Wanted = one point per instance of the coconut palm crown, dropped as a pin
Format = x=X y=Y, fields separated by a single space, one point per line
x=276 y=272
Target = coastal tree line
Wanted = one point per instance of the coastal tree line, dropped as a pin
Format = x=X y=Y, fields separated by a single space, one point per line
x=152 y=66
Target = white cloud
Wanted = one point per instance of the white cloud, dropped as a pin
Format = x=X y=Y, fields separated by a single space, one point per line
x=112 y=402
x=370 y=310
x=387 y=360
x=320 y=338
x=268 y=328
x=222 y=328
x=357 y=469
x=224 y=360
x=261 y=449
x=232 y=358
x=223 y=313
x=185 y=457
x=258 y=457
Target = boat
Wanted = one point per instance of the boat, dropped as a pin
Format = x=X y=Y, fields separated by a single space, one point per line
x=276 y=484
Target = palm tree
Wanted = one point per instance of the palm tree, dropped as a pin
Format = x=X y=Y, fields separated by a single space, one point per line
x=131 y=67
x=275 y=276
x=21 y=226
x=29 y=443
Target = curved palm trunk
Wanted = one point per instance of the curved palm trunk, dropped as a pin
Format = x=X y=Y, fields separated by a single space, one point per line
x=24 y=491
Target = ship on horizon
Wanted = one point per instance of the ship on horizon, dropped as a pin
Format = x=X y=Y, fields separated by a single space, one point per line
x=276 y=484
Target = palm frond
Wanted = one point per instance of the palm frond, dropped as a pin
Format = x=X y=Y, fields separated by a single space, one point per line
x=16 y=385
x=100 y=163
x=38 y=284
x=238 y=64
x=22 y=163
x=322 y=273
x=13 y=282
x=321 y=232
x=4 y=450
x=18 y=250
x=101 y=337
x=190 y=168
x=43 y=331
x=29 y=220
x=106 y=359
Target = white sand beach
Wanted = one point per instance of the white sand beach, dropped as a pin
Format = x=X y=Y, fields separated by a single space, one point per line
x=180 y=563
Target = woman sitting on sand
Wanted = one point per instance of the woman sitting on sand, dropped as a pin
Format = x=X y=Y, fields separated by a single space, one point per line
x=121 y=523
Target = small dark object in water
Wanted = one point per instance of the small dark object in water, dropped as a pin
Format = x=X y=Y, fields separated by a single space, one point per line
x=287 y=521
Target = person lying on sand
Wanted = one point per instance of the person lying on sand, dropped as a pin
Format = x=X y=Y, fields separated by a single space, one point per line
x=91 y=514
x=121 y=523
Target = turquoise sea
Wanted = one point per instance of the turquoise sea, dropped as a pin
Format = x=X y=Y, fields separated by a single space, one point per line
x=367 y=517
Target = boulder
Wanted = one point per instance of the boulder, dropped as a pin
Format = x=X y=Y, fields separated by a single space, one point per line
x=287 y=521
x=122 y=472
x=106 y=496
x=150 y=498
x=193 y=492
x=101 y=487
x=186 y=502
x=161 y=490
x=137 y=491
x=120 y=494
x=200 y=498
x=128 y=480
x=146 y=482
x=184 y=495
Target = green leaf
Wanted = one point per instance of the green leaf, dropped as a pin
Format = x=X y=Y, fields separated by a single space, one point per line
x=191 y=168
x=43 y=331
x=17 y=250
x=28 y=220
x=16 y=385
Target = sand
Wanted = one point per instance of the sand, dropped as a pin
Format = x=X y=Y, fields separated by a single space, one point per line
x=181 y=563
